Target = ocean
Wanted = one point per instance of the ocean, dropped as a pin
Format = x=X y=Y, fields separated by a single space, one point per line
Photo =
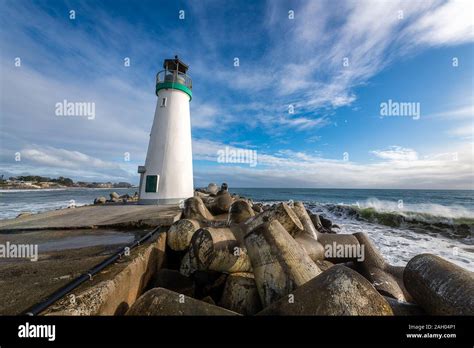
x=402 y=223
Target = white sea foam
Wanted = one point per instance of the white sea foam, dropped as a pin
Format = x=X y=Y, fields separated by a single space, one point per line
x=399 y=245
x=451 y=211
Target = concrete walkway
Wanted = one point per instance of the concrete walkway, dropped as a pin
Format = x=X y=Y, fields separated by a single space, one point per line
x=125 y=216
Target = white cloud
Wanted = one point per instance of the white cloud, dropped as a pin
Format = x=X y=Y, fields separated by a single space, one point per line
x=447 y=24
x=50 y=156
x=397 y=167
x=50 y=161
x=209 y=116
x=369 y=34
x=464 y=131
x=462 y=117
x=301 y=65
x=396 y=153
x=458 y=113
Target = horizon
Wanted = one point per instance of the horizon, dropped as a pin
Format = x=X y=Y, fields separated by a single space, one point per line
x=269 y=188
x=305 y=89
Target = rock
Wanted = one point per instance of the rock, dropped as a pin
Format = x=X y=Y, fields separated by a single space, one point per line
x=241 y=294
x=175 y=281
x=180 y=233
x=114 y=195
x=279 y=263
x=316 y=220
x=439 y=286
x=317 y=223
x=240 y=211
x=375 y=269
x=24 y=214
x=337 y=291
x=327 y=224
x=100 y=200
x=401 y=308
x=257 y=207
x=217 y=249
x=160 y=301
x=212 y=188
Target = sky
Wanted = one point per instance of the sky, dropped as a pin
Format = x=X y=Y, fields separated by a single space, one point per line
x=301 y=85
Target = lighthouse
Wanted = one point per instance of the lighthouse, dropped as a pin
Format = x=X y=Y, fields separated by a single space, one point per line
x=167 y=176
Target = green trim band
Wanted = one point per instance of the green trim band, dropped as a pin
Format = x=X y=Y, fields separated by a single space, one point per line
x=174 y=85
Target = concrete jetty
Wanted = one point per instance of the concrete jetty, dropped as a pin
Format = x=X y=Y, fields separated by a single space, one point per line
x=249 y=260
x=58 y=266
x=96 y=216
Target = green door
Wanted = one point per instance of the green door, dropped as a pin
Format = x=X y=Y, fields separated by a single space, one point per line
x=151 y=183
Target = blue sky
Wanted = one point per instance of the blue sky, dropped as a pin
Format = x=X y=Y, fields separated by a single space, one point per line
x=396 y=50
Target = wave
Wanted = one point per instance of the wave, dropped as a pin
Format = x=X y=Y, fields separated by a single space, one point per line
x=450 y=211
x=451 y=221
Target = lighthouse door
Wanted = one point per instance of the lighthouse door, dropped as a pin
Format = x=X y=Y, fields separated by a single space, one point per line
x=151 y=184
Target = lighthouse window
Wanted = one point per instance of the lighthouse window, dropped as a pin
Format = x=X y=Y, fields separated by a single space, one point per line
x=151 y=183
x=163 y=102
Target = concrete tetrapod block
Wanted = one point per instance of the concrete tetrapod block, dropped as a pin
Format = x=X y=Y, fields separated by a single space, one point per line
x=240 y=211
x=439 y=286
x=308 y=226
x=160 y=301
x=279 y=263
x=339 y=248
x=173 y=280
x=401 y=308
x=337 y=291
x=220 y=204
x=195 y=209
x=217 y=249
x=180 y=234
x=281 y=212
x=241 y=294
x=313 y=248
x=379 y=273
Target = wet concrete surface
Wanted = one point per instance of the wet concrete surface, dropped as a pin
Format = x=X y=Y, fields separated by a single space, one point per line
x=62 y=256
x=123 y=216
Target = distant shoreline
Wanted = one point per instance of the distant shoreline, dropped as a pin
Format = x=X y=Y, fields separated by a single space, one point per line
x=5 y=189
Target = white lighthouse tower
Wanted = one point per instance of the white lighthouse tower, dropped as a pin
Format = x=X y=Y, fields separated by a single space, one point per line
x=167 y=176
